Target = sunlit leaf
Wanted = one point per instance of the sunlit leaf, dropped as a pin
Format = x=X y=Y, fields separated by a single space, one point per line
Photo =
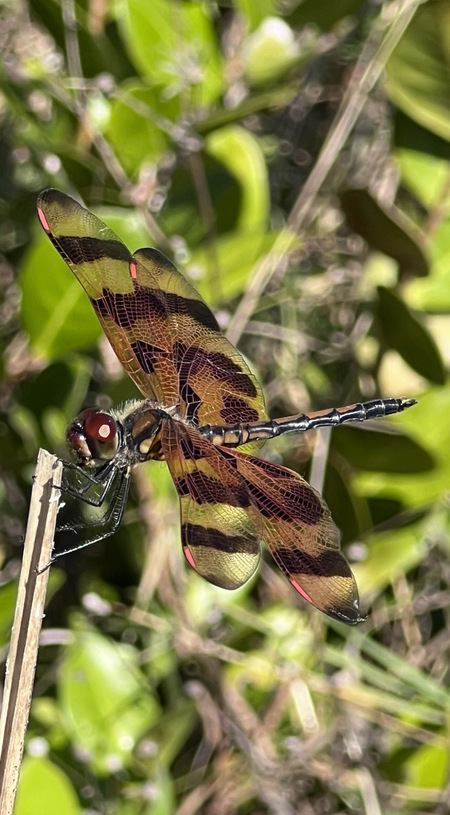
x=141 y=124
x=428 y=767
x=433 y=294
x=44 y=787
x=236 y=255
x=390 y=555
x=427 y=422
x=426 y=176
x=174 y=46
x=106 y=703
x=418 y=72
x=403 y=332
x=53 y=303
x=243 y=157
x=381 y=450
x=256 y=12
x=270 y=51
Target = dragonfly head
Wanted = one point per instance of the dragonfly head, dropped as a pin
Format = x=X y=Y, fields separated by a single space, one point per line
x=93 y=437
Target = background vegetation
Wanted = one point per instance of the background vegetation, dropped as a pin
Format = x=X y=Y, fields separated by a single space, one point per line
x=293 y=159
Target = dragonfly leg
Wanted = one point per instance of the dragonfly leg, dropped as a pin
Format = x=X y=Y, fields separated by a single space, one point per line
x=107 y=524
x=104 y=477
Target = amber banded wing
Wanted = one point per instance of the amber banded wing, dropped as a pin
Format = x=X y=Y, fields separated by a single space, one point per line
x=100 y=262
x=164 y=334
x=214 y=381
x=219 y=528
x=300 y=534
x=231 y=501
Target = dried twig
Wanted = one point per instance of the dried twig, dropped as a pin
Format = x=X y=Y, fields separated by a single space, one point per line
x=29 y=612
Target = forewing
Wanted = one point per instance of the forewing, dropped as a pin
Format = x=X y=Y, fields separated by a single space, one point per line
x=215 y=384
x=164 y=334
x=220 y=539
x=301 y=536
x=104 y=267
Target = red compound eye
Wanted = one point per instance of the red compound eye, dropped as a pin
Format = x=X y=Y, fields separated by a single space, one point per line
x=98 y=426
x=75 y=438
x=93 y=436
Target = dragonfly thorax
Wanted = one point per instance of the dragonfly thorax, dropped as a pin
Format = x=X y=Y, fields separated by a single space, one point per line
x=142 y=432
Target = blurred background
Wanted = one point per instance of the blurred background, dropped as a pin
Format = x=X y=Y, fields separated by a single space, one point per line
x=292 y=158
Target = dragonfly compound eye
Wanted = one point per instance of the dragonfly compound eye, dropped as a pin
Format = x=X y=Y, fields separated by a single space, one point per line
x=98 y=426
x=93 y=436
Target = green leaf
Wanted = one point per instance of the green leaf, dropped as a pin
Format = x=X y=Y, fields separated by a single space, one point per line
x=270 y=51
x=43 y=787
x=241 y=153
x=64 y=381
x=349 y=511
x=390 y=554
x=412 y=136
x=409 y=677
x=54 y=305
x=380 y=450
x=323 y=13
x=8 y=597
x=128 y=224
x=433 y=293
x=387 y=231
x=256 y=12
x=160 y=794
x=427 y=422
x=174 y=729
x=236 y=255
x=426 y=176
x=418 y=72
x=106 y=703
x=403 y=332
x=174 y=46
x=140 y=124
x=428 y=767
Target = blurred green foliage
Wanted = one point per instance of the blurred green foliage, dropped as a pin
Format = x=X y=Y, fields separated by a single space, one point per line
x=193 y=127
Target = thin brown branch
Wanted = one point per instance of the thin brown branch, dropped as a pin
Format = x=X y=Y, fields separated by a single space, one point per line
x=32 y=589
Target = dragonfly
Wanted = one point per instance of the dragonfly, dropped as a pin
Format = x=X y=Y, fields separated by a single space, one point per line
x=201 y=402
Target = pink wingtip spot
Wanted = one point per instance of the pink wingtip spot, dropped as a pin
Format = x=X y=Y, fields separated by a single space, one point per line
x=133 y=269
x=43 y=219
x=302 y=591
x=189 y=557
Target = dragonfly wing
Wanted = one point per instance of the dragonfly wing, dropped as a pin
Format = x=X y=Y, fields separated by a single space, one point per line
x=214 y=382
x=219 y=535
x=301 y=536
x=101 y=263
x=162 y=331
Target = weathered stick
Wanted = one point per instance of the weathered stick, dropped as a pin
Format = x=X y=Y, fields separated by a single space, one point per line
x=21 y=664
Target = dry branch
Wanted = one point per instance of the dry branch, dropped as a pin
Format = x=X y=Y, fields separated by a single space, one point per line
x=32 y=589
